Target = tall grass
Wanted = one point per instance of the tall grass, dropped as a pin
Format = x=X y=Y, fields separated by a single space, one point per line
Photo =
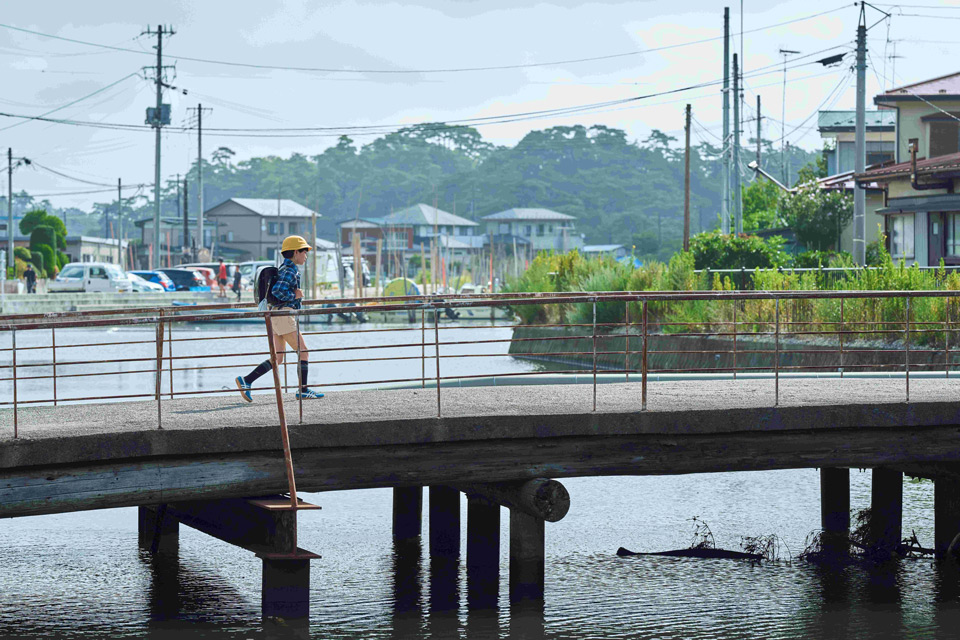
x=881 y=318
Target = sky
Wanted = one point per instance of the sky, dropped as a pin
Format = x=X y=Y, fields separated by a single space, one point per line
x=387 y=64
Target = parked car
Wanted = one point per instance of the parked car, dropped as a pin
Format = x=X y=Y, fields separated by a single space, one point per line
x=90 y=276
x=209 y=275
x=186 y=279
x=157 y=277
x=144 y=286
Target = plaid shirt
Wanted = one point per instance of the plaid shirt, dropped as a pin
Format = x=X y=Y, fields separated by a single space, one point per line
x=288 y=281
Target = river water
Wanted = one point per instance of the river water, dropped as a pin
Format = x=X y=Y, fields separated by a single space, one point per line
x=81 y=575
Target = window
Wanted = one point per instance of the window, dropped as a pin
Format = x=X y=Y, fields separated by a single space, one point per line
x=504 y=228
x=292 y=228
x=229 y=236
x=540 y=229
x=271 y=254
x=878 y=152
x=72 y=272
x=274 y=228
x=98 y=272
x=901 y=236
x=944 y=137
x=953 y=234
x=528 y=230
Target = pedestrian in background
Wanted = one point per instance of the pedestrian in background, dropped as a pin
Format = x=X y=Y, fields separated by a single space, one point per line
x=236 y=282
x=31 y=277
x=222 y=279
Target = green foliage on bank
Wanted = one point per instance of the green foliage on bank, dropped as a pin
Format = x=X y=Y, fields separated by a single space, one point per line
x=879 y=319
x=48 y=237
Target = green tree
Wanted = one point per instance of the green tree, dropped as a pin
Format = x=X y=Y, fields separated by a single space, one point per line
x=761 y=203
x=713 y=250
x=817 y=215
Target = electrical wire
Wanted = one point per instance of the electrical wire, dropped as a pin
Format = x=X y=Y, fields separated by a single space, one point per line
x=423 y=71
x=72 y=102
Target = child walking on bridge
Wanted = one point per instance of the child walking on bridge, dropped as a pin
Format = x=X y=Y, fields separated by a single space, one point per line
x=285 y=293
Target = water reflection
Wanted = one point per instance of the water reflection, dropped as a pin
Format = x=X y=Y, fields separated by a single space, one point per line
x=407 y=593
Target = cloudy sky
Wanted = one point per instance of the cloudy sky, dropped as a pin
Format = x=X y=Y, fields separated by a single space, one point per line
x=341 y=65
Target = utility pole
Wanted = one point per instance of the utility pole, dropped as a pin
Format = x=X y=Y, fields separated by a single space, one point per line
x=186 y=221
x=783 y=119
x=9 y=207
x=686 y=186
x=725 y=146
x=737 y=194
x=759 y=118
x=157 y=121
x=200 y=109
x=860 y=161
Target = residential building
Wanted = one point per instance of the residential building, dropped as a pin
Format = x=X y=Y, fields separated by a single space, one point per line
x=921 y=209
x=838 y=129
x=405 y=230
x=253 y=228
x=616 y=251
x=541 y=229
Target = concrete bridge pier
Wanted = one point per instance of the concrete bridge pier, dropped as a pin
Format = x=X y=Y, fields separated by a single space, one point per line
x=483 y=553
x=946 y=513
x=886 y=509
x=835 y=510
x=444 y=550
x=527 y=556
x=264 y=526
x=407 y=514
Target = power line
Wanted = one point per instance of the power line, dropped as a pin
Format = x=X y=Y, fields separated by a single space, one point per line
x=69 y=177
x=420 y=71
x=73 y=102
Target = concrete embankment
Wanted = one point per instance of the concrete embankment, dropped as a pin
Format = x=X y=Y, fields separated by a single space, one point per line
x=56 y=302
x=574 y=346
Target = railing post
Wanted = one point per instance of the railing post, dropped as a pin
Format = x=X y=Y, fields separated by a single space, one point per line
x=946 y=341
x=776 y=361
x=299 y=368
x=643 y=362
x=906 y=348
x=626 y=337
x=13 y=340
x=736 y=303
x=170 y=353
x=53 y=347
x=436 y=350
x=284 y=435
x=594 y=354
x=423 y=345
x=159 y=372
x=842 y=329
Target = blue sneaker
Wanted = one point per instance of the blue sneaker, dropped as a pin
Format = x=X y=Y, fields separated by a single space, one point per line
x=309 y=393
x=244 y=389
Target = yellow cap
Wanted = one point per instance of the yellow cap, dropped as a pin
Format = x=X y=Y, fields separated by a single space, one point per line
x=294 y=243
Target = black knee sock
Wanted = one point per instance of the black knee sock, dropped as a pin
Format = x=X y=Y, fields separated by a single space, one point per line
x=303 y=374
x=261 y=369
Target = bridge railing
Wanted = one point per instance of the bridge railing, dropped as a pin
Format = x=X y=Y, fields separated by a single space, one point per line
x=731 y=333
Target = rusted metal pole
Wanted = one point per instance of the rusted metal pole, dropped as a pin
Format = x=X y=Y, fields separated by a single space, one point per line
x=13 y=340
x=776 y=361
x=736 y=303
x=159 y=372
x=946 y=342
x=906 y=349
x=170 y=353
x=284 y=435
x=594 y=354
x=423 y=348
x=299 y=368
x=643 y=362
x=436 y=351
x=842 y=329
x=626 y=337
x=53 y=347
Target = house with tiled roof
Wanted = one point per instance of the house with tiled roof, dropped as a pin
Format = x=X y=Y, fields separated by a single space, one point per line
x=921 y=209
x=253 y=228
x=538 y=229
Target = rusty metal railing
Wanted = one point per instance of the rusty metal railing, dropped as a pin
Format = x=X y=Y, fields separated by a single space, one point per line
x=646 y=319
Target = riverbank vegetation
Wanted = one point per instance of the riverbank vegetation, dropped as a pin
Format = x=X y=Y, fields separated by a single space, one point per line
x=875 y=319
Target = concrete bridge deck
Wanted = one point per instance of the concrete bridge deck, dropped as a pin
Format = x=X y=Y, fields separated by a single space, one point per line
x=90 y=456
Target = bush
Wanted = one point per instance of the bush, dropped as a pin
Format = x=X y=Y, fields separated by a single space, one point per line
x=43 y=240
x=816 y=259
x=713 y=250
x=22 y=253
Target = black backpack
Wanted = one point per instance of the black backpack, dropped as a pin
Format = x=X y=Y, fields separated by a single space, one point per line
x=263 y=285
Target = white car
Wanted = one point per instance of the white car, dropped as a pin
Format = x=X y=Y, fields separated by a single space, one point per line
x=91 y=276
x=142 y=285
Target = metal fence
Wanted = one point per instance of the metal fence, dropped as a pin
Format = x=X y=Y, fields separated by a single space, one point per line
x=738 y=317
